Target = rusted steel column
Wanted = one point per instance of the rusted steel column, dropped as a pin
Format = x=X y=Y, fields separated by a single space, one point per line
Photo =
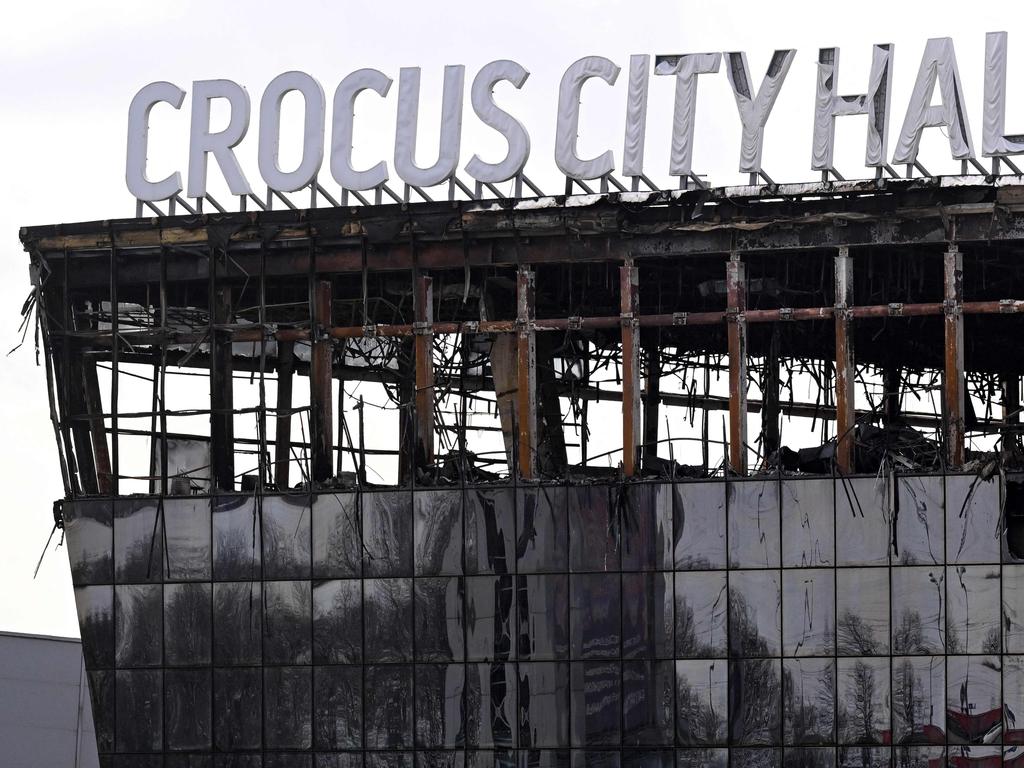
x=283 y=431
x=526 y=373
x=891 y=382
x=222 y=418
x=953 y=379
x=423 y=307
x=628 y=300
x=846 y=415
x=736 y=291
x=321 y=376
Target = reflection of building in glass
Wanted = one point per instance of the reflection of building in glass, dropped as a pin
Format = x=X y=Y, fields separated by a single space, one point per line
x=248 y=596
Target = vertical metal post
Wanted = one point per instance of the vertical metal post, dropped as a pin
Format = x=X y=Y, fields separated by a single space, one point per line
x=321 y=376
x=526 y=372
x=423 y=307
x=628 y=299
x=1011 y=409
x=652 y=398
x=283 y=431
x=771 y=437
x=953 y=378
x=736 y=291
x=94 y=408
x=222 y=429
x=846 y=414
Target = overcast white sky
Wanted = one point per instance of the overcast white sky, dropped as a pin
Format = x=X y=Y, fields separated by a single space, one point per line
x=68 y=71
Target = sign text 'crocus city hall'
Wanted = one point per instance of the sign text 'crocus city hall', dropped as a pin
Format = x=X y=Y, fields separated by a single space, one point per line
x=754 y=104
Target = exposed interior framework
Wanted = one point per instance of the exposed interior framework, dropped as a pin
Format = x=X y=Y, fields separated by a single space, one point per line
x=663 y=334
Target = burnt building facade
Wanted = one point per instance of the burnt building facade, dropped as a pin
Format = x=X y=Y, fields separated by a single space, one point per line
x=696 y=478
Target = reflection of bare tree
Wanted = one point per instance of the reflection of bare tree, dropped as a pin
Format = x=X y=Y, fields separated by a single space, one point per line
x=286 y=552
x=237 y=608
x=287 y=621
x=698 y=721
x=809 y=714
x=338 y=624
x=910 y=704
x=856 y=638
x=860 y=710
x=908 y=634
x=388 y=617
x=97 y=628
x=138 y=625
x=754 y=695
x=187 y=610
x=692 y=639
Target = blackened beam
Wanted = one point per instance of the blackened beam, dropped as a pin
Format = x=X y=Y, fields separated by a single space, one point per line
x=574 y=242
x=222 y=457
x=423 y=306
x=526 y=373
x=283 y=417
x=953 y=374
x=736 y=288
x=321 y=380
x=846 y=415
x=629 y=301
